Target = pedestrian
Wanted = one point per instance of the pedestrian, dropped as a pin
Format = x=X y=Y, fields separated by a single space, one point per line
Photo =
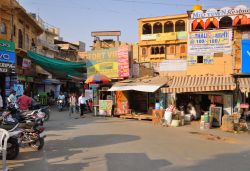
x=72 y=104
x=1 y=100
x=82 y=104
x=24 y=101
x=12 y=98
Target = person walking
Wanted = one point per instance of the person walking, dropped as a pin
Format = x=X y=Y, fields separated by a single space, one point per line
x=82 y=104
x=72 y=104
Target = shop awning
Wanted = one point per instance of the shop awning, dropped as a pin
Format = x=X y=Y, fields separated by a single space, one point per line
x=145 y=84
x=183 y=84
x=51 y=81
x=58 y=67
x=244 y=84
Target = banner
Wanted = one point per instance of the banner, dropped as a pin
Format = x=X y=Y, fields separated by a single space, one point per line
x=245 y=53
x=26 y=63
x=89 y=94
x=166 y=36
x=173 y=65
x=112 y=62
x=209 y=42
x=105 y=107
x=148 y=37
x=7 y=46
x=8 y=57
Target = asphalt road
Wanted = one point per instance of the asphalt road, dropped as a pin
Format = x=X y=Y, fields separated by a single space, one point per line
x=113 y=144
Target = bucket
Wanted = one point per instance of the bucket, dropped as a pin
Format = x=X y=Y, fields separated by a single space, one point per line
x=157 y=106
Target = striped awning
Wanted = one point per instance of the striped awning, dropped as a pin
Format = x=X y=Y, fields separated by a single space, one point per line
x=244 y=84
x=183 y=84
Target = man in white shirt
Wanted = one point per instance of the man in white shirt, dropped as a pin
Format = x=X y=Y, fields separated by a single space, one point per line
x=82 y=104
x=12 y=98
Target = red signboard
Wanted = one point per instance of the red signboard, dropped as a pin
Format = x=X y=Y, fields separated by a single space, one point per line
x=123 y=61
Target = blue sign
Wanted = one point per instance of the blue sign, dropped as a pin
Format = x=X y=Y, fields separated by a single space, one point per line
x=7 y=57
x=245 y=58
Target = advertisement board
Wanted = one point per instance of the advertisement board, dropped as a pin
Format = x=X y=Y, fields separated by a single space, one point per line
x=7 y=46
x=173 y=65
x=245 y=53
x=166 y=36
x=209 y=42
x=105 y=107
x=26 y=63
x=112 y=62
x=8 y=57
x=148 y=37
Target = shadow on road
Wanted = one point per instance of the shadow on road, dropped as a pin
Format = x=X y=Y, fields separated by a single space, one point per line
x=225 y=162
x=133 y=162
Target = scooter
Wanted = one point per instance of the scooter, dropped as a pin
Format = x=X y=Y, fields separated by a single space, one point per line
x=60 y=105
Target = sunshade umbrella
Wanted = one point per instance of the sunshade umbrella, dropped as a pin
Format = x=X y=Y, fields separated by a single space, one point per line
x=97 y=78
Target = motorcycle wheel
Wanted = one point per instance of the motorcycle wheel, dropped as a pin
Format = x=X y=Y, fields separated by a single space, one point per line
x=38 y=145
x=12 y=149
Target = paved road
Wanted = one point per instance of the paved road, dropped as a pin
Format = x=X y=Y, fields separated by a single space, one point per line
x=112 y=144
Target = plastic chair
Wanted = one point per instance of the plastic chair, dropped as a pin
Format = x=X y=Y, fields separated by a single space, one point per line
x=4 y=136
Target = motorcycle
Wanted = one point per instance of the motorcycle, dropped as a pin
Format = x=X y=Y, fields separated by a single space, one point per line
x=36 y=105
x=60 y=105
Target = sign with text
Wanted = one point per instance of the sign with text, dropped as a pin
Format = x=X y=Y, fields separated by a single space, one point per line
x=173 y=65
x=105 y=107
x=8 y=57
x=112 y=62
x=206 y=60
x=245 y=52
x=166 y=36
x=7 y=46
x=148 y=37
x=7 y=67
x=210 y=42
x=26 y=63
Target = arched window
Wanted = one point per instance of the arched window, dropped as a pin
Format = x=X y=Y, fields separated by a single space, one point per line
x=3 y=28
x=180 y=26
x=147 y=29
x=182 y=49
x=162 y=50
x=168 y=27
x=157 y=28
x=20 y=38
x=157 y=50
x=152 y=50
x=226 y=22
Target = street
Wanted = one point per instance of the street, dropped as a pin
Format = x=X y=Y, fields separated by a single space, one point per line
x=113 y=144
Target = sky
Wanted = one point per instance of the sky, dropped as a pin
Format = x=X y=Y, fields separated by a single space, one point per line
x=78 y=18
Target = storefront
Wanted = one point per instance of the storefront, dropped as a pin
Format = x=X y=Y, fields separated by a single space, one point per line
x=7 y=67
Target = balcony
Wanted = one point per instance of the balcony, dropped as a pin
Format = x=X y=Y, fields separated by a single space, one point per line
x=47 y=45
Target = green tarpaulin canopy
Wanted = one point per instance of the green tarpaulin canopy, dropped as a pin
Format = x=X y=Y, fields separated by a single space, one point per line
x=58 y=67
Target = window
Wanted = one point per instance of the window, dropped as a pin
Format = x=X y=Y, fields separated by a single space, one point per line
x=3 y=28
x=27 y=42
x=162 y=50
x=200 y=59
x=147 y=29
x=180 y=26
x=20 y=38
x=171 y=49
x=168 y=27
x=157 y=50
x=183 y=49
x=152 y=50
x=157 y=28
x=226 y=22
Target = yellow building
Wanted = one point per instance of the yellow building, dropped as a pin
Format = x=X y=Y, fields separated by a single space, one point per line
x=162 y=38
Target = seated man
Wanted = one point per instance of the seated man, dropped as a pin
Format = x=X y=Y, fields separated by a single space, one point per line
x=24 y=102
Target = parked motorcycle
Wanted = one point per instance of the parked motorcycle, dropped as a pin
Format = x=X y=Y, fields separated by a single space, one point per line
x=60 y=104
x=36 y=105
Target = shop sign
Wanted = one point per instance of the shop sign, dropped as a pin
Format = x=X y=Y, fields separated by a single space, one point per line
x=7 y=67
x=244 y=105
x=8 y=57
x=173 y=65
x=7 y=46
x=19 y=89
x=206 y=60
x=210 y=42
x=89 y=94
x=226 y=11
x=123 y=62
x=26 y=63
x=166 y=36
x=108 y=62
x=181 y=35
x=105 y=107
x=148 y=37
x=245 y=53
